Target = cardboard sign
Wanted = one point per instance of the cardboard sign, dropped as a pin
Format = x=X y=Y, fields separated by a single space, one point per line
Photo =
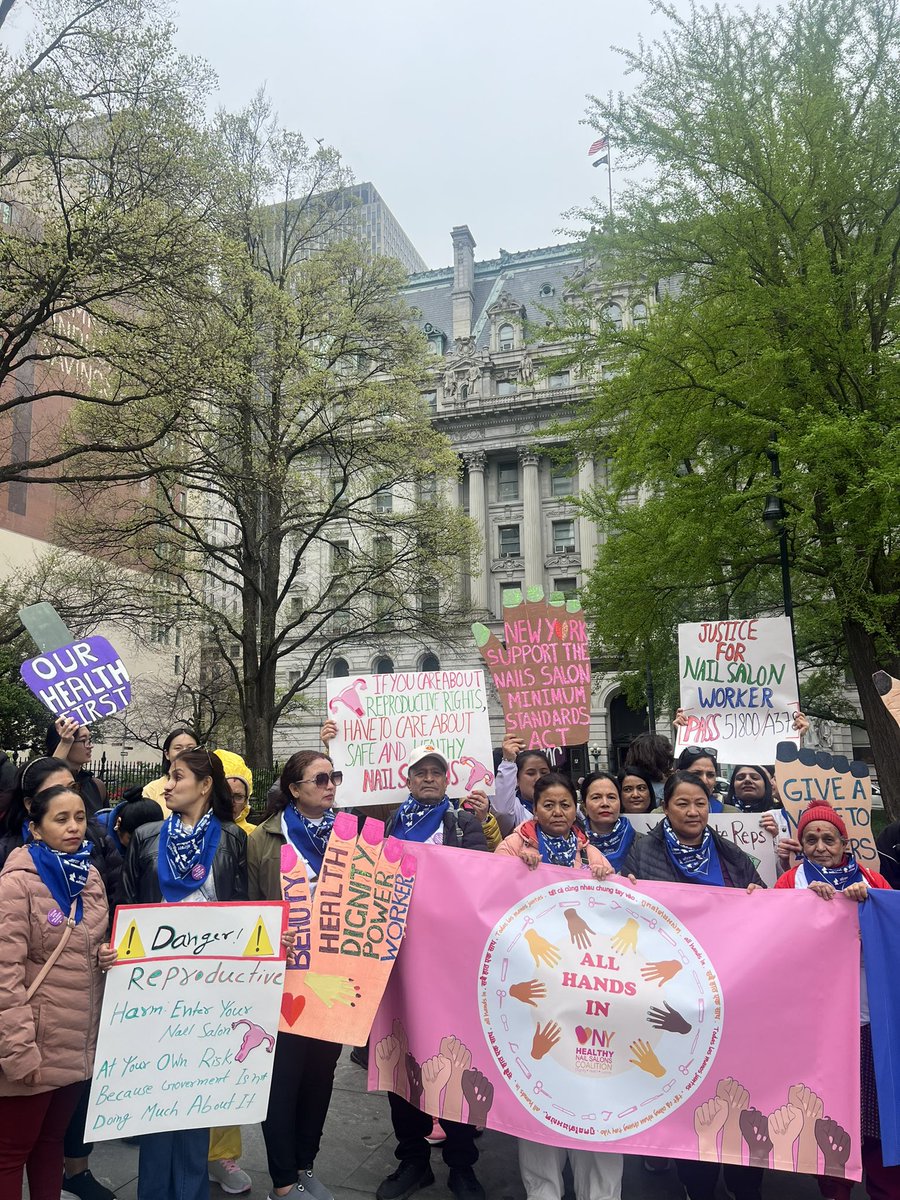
x=542 y=670
x=738 y=687
x=84 y=680
x=349 y=935
x=807 y=777
x=601 y=1016
x=743 y=829
x=189 y=1017
x=381 y=718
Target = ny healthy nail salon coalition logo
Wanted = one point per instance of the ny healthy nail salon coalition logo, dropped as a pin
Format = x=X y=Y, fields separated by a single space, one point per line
x=602 y=1012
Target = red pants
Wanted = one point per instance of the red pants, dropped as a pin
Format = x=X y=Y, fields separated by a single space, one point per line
x=881 y=1182
x=32 y=1129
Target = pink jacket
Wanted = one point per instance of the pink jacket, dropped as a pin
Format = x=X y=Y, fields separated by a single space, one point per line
x=525 y=837
x=56 y=1031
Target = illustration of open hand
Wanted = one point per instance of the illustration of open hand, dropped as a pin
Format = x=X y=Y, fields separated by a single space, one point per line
x=579 y=930
x=332 y=989
x=541 y=949
x=834 y=1142
x=709 y=1118
x=627 y=937
x=387 y=1055
x=435 y=1073
x=785 y=1124
x=413 y=1081
x=530 y=992
x=669 y=1019
x=479 y=1093
x=755 y=1128
x=811 y=1107
x=737 y=1098
x=663 y=971
x=645 y=1058
x=544 y=1039
x=459 y=1056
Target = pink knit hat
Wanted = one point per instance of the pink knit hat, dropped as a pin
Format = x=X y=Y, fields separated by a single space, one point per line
x=821 y=812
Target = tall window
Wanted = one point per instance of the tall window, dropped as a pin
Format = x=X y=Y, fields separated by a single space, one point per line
x=614 y=314
x=639 y=314
x=509 y=541
x=384 y=666
x=430 y=399
x=508 y=480
x=340 y=668
x=562 y=481
x=384 y=501
x=506 y=337
x=568 y=587
x=429 y=601
x=563 y=537
x=431 y=662
x=340 y=557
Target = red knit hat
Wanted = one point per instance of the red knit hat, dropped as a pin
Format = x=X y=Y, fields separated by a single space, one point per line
x=821 y=812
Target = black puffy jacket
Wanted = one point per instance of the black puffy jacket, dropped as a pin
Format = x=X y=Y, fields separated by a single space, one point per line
x=649 y=860
x=140 y=881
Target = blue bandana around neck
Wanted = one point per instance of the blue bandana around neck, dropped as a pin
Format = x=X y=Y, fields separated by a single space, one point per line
x=526 y=804
x=839 y=877
x=309 y=839
x=417 y=822
x=698 y=864
x=26 y=831
x=560 y=851
x=185 y=855
x=64 y=875
x=715 y=804
x=615 y=844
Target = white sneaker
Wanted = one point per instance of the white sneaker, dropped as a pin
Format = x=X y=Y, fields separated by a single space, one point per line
x=229 y=1176
x=314 y=1187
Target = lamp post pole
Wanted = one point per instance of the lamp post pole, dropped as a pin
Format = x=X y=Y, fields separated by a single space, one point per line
x=774 y=518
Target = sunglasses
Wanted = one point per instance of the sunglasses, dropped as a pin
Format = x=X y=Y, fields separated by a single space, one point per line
x=694 y=752
x=324 y=778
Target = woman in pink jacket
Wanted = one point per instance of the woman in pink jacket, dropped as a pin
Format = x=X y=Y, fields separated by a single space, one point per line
x=49 y=895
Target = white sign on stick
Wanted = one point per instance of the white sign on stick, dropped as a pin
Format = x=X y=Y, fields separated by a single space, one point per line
x=381 y=718
x=189 y=1018
x=743 y=829
x=738 y=687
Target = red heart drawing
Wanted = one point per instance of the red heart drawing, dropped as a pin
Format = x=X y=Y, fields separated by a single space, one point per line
x=558 y=629
x=292 y=1007
x=582 y=1034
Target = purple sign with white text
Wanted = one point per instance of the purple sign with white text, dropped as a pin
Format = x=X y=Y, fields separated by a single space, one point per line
x=85 y=680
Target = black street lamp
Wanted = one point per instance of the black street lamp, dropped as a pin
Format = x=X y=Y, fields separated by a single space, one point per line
x=774 y=519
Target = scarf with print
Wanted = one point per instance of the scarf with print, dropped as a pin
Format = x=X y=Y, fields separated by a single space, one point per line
x=559 y=851
x=186 y=855
x=615 y=844
x=839 y=877
x=308 y=838
x=417 y=822
x=698 y=864
x=63 y=875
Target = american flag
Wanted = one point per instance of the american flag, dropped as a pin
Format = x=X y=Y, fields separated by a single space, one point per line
x=600 y=144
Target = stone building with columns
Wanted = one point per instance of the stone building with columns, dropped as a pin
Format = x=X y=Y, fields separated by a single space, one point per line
x=493 y=390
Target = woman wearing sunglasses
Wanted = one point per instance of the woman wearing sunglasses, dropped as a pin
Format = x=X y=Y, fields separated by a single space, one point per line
x=302 y=813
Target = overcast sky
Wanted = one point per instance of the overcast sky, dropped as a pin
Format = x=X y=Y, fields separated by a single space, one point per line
x=460 y=114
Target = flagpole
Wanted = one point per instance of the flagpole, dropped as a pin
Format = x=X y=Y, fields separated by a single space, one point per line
x=609 y=171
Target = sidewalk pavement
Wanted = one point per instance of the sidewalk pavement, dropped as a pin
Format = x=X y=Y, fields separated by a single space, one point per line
x=358 y=1152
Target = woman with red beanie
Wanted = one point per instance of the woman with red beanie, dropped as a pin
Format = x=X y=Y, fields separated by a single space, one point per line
x=826 y=868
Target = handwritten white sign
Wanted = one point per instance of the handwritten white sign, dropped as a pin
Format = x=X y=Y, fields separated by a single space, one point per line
x=189 y=1018
x=743 y=829
x=381 y=718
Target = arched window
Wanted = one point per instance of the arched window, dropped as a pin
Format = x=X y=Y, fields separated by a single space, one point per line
x=340 y=668
x=384 y=665
x=638 y=315
x=614 y=314
x=506 y=337
x=431 y=662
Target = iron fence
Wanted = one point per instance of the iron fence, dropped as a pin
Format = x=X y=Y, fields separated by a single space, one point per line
x=122 y=774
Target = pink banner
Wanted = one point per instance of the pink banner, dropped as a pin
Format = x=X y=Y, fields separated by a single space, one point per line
x=659 y=1019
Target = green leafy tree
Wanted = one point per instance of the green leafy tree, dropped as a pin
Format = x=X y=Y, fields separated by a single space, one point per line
x=765 y=238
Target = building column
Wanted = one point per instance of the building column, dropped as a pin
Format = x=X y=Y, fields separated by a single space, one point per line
x=448 y=497
x=587 y=530
x=478 y=512
x=531 y=517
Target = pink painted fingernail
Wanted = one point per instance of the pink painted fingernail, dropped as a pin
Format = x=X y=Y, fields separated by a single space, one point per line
x=408 y=866
x=288 y=857
x=372 y=831
x=392 y=850
x=345 y=826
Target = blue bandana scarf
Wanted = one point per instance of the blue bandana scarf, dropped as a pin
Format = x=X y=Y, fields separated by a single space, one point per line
x=64 y=875
x=839 y=877
x=185 y=856
x=715 y=804
x=615 y=844
x=560 y=851
x=417 y=822
x=698 y=864
x=526 y=804
x=308 y=839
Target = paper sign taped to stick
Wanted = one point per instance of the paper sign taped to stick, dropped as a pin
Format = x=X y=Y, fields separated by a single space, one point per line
x=380 y=718
x=738 y=687
x=85 y=680
x=743 y=829
x=189 y=1018
x=807 y=777
x=542 y=670
x=348 y=937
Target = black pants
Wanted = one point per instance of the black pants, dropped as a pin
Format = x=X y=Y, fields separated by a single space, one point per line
x=302 y=1081
x=699 y=1179
x=412 y=1127
x=75 y=1145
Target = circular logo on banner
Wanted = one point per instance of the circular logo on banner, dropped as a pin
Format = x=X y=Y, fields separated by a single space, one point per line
x=602 y=1011
x=55 y=917
x=198 y=872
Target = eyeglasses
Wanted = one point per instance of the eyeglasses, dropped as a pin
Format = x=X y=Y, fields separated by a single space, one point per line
x=325 y=777
x=82 y=741
x=694 y=752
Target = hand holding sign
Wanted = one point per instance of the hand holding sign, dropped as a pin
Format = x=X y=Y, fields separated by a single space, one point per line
x=542 y=670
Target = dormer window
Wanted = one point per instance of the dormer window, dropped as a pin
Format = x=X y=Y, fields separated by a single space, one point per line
x=506 y=337
x=436 y=343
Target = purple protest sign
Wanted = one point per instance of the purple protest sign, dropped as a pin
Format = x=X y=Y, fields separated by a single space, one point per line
x=85 y=680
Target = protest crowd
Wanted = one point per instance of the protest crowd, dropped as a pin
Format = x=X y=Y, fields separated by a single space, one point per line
x=68 y=859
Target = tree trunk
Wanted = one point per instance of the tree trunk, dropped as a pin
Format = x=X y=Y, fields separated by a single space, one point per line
x=884 y=732
x=258 y=731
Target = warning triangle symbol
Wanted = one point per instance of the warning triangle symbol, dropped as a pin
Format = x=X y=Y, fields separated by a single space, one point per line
x=259 y=945
x=131 y=945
